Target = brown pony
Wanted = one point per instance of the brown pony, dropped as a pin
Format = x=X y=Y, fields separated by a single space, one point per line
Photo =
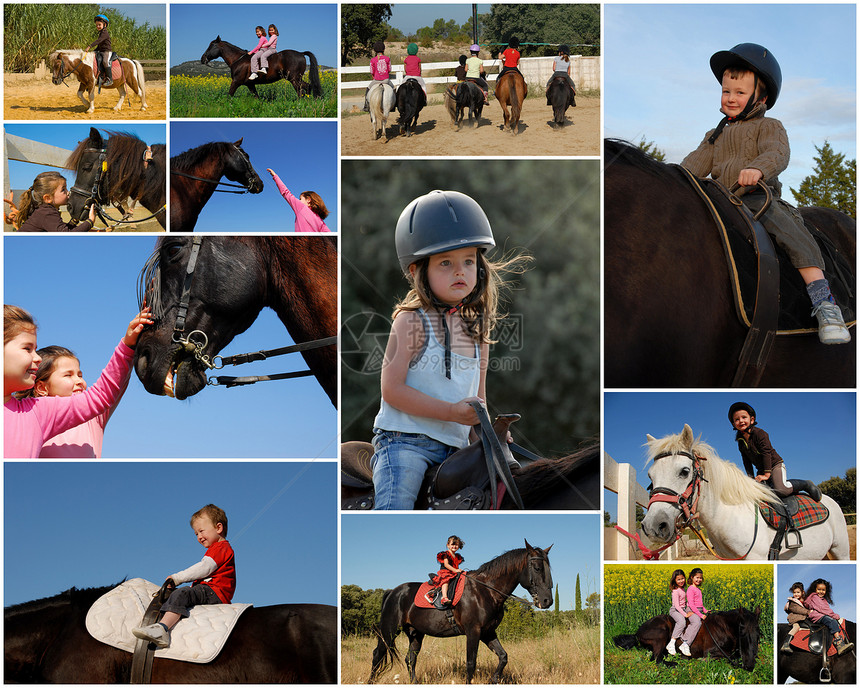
x=79 y=62
x=511 y=91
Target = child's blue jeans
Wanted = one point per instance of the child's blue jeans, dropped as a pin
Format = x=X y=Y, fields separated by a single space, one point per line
x=399 y=464
x=182 y=599
x=831 y=623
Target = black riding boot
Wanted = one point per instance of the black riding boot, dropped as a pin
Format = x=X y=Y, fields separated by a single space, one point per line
x=786 y=645
x=806 y=486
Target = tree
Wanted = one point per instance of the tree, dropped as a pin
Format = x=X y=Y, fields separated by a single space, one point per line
x=360 y=27
x=578 y=595
x=842 y=490
x=556 y=599
x=650 y=148
x=593 y=601
x=833 y=183
x=550 y=25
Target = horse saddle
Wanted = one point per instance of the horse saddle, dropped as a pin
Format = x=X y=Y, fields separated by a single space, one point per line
x=115 y=66
x=433 y=590
x=789 y=517
x=198 y=639
x=794 y=315
x=815 y=638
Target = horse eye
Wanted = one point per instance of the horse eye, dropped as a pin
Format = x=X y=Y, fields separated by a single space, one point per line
x=685 y=472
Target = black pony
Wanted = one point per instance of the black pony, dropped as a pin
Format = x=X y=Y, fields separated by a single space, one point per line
x=562 y=96
x=46 y=641
x=110 y=171
x=806 y=667
x=410 y=100
x=286 y=64
x=723 y=635
x=195 y=176
x=669 y=313
x=477 y=616
x=465 y=95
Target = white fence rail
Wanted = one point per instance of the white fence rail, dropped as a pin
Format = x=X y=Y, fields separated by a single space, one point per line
x=20 y=149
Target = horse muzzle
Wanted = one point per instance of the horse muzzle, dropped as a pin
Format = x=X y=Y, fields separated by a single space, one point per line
x=657 y=525
x=182 y=376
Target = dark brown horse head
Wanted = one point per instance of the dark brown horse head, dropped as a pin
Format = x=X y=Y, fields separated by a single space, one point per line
x=537 y=577
x=213 y=52
x=749 y=635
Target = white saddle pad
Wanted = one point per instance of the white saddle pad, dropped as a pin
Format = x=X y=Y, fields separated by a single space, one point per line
x=198 y=638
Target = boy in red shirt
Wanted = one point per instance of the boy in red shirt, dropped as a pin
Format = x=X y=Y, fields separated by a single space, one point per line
x=214 y=576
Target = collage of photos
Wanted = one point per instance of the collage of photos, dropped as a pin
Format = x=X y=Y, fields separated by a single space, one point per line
x=497 y=255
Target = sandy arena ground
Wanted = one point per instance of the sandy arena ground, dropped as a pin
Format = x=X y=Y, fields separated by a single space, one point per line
x=27 y=97
x=435 y=134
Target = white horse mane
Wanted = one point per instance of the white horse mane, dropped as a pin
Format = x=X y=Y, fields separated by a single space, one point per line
x=72 y=52
x=727 y=481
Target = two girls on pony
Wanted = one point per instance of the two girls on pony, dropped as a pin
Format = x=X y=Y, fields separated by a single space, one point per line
x=688 y=609
x=40 y=207
x=29 y=422
x=264 y=50
x=437 y=355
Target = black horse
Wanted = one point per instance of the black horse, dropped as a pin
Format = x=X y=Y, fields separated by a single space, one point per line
x=477 y=616
x=110 y=171
x=46 y=641
x=806 y=667
x=410 y=100
x=670 y=318
x=723 y=635
x=286 y=64
x=231 y=279
x=195 y=175
x=562 y=96
x=463 y=96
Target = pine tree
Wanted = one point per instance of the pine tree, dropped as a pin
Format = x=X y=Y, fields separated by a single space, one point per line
x=556 y=599
x=833 y=184
x=578 y=595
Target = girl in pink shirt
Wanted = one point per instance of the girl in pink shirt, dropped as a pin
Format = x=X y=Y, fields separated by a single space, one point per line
x=309 y=207
x=819 y=597
x=269 y=47
x=261 y=35
x=696 y=607
x=27 y=423
x=60 y=375
x=678 y=612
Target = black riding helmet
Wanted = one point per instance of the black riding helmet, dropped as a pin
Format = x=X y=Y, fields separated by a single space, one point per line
x=740 y=406
x=564 y=49
x=756 y=58
x=440 y=221
x=514 y=43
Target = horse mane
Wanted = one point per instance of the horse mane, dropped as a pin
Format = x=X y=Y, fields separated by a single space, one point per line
x=71 y=52
x=724 y=478
x=192 y=157
x=542 y=476
x=82 y=596
x=621 y=151
x=504 y=563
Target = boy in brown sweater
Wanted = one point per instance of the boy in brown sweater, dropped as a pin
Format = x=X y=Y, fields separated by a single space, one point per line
x=746 y=147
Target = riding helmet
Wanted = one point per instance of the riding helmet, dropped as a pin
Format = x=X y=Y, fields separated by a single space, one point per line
x=755 y=57
x=379 y=47
x=514 y=43
x=412 y=49
x=564 y=49
x=103 y=18
x=440 y=221
x=474 y=48
x=740 y=406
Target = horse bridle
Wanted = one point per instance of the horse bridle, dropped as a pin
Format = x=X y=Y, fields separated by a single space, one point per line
x=64 y=74
x=249 y=179
x=196 y=341
x=687 y=501
x=529 y=560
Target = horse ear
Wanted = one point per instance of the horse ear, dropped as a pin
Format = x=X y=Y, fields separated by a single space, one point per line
x=218 y=37
x=758 y=611
x=687 y=434
x=528 y=546
x=546 y=551
x=239 y=142
x=650 y=438
x=95 y=136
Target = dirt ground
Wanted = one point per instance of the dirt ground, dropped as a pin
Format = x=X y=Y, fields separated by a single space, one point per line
x=27 y=97
x=435 y=134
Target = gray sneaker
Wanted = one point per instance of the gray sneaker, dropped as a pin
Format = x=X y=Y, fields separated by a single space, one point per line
x=831 y=326
x=154 y=633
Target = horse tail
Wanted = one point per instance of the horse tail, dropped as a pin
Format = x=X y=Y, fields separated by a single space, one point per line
x=313 y=75
x=626 y=641
x=141 y=79
x=386 y=631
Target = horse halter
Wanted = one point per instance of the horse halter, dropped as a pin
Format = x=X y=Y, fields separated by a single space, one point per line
x=687 y=501
x=93 y=194
x=63 y=75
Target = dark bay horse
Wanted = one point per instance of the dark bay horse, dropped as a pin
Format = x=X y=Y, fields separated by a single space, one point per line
x=65 y=63
x=286 y=64
x=205 y=291
x=511 y=91
x=670 y=319
x=805 y=667
x=112 y=170
x=410 y=101
x=46 y=641
x=195 y=175
x=723 y=635
x=463 y=96
x=571 y=482
x=477 y=616
x=562 y=96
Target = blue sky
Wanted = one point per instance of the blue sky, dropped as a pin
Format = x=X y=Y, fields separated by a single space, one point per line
x=303 y=154
x=814 y=433
x=88 y=524
x=155 y=14
x=301 y=27
x=82 y=290
x=384 y=550
x=409 y=17
x=843 y=578
x=658 y=84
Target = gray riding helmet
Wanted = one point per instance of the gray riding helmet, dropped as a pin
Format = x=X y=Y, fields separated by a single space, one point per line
x=440 y=221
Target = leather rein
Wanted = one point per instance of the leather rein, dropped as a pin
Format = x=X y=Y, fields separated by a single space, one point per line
x=246 y=188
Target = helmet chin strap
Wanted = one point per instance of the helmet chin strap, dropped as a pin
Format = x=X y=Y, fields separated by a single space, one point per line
x=445 y=310
x=751 y=103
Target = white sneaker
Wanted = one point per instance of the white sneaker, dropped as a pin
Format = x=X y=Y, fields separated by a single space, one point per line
x=154 y=633
x=253 y=76
x=670 y=648
x=831 y=326
x=685 y=649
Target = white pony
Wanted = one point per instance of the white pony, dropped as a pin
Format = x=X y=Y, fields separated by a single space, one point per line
x=65 y=63
x=380 y=101
x=727 y=504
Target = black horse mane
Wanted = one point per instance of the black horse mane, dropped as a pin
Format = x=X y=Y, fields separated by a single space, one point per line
x=194 y=156
x=542 y=476
x=72 y=596
x=504 y=563
x=621 y=151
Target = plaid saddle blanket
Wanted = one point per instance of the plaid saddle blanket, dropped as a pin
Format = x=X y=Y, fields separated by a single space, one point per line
x=809 y=513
